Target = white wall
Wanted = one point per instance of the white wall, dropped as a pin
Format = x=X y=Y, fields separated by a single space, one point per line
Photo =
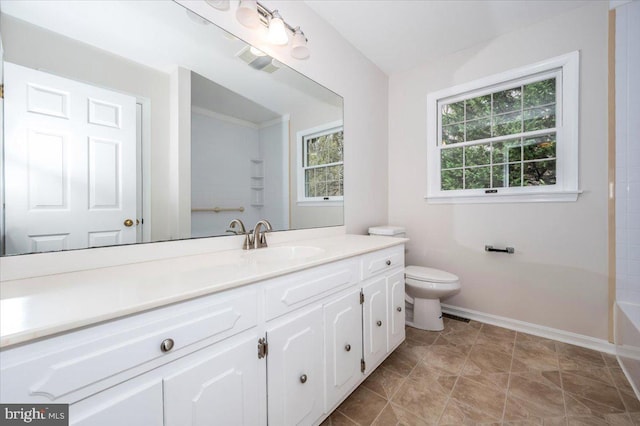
x=627 y=153
x=558 y=276
x=337 y=65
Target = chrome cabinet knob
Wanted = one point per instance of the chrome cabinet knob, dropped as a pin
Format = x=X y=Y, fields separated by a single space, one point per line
x=347 y=347
x=379 y=323
x=303 y=378
x=388 y=263
x=399 y=309
x=167 y=345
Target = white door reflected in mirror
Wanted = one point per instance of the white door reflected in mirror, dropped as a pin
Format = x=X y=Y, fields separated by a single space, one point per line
x=70 y=151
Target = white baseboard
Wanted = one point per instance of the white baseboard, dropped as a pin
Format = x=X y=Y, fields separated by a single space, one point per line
x=535 y=329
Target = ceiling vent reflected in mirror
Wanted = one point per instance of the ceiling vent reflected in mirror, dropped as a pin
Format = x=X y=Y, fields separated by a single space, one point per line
x=258 y=60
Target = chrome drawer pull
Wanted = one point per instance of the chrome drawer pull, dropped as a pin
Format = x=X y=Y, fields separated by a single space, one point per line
x=347 y=348
x=167 y=345
x=388 y=263
x=303 y=378
x=379 y=323
x=399 y=309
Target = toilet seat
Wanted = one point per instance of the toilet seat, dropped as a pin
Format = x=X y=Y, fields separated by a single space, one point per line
x=422 y=273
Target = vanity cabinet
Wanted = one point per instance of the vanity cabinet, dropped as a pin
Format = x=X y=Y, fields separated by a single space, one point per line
x=383 y=311
x=284 y=351
x=135 y=402
x=216 y=385
x=295 y=369
x=343 y=346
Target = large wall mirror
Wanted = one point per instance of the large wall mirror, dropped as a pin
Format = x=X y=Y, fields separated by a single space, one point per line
x=139 y=121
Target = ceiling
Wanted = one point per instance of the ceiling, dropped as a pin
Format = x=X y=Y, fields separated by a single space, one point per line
x=398 y=35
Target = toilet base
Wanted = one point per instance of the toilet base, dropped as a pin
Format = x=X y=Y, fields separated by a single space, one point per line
x=427 y=315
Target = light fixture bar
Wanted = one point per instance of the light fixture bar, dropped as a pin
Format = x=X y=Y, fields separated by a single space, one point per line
x=265 y=15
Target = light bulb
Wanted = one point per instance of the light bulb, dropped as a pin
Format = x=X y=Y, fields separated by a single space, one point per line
x=247 y=13
x=299 y=49
x=277 y=31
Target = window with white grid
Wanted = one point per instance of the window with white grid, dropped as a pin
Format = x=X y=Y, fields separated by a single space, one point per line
x=509 y=137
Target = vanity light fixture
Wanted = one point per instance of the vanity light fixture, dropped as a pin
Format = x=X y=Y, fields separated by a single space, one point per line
x=299 y=49
x=251 y=14
x=277 y=33
x=247 y=13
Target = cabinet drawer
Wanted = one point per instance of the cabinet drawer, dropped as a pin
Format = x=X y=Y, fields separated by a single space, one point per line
x=381 y=261
x=52 y=369
x=285 y=294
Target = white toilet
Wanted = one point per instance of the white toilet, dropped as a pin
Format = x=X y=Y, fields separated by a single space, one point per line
x=423 y=288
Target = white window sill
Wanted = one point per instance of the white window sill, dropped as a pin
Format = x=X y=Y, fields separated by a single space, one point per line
x=531 y=197
x=328 y=203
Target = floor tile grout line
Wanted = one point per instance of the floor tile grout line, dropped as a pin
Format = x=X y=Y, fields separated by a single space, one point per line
x=464 y=364
x=404 y=380
x=506 y=392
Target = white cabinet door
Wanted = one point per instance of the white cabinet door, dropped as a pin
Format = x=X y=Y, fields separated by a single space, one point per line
x=395 y=287
x=295 y=369
x=375 y=323
x=136 y=402
x=218 y=385
x=343 y=350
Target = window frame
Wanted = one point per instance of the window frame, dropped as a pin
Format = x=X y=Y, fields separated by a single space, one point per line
x=301 y=151
x=566 y=70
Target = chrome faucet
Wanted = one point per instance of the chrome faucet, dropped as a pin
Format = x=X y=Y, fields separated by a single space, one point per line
x=260 y=238
x=248 y=237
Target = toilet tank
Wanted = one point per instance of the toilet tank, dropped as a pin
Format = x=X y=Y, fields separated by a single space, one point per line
x=388 y=231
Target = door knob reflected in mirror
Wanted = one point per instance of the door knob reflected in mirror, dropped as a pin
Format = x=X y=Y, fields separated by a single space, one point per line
x=128 y=223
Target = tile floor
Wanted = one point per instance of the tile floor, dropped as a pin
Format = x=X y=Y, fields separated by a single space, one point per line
x=479 y=374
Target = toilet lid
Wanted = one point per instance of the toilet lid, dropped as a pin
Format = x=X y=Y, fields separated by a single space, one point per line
x=429 y=274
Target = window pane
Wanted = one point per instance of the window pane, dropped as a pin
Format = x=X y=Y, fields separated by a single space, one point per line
x=540 y=118
x=478 y=107
x=540 y=173
x=334 y=181
x=507 y=100
x=479 y=129
x=497 y=181
x=477 y=155
x=514 y=175
x=451 y=158
x=452 y=133
x=539 y=148
x=477 y=177
x=507 y=124
x=502 y=151
x=452 y=113
x=540 y=93
x=451 y=179
x=325 y=149
x=309 y=178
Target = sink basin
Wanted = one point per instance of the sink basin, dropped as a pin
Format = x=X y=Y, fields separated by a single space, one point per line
x=282 y=254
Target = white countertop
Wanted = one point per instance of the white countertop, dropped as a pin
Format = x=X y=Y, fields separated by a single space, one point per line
x=33 y=308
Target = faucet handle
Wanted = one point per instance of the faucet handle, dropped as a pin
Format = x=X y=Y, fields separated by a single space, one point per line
x=232 y=227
